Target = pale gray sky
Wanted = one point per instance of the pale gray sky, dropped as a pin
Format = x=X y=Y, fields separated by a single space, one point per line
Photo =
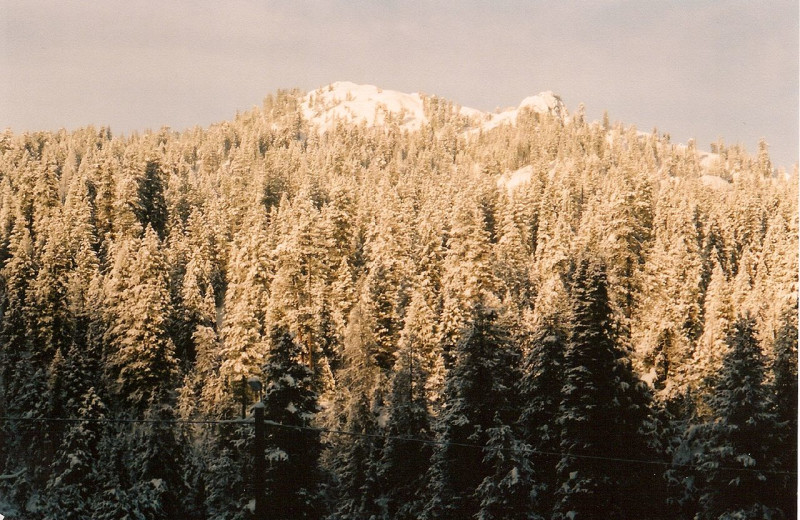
x=699 y=68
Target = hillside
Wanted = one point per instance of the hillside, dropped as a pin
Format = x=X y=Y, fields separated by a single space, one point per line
x=445 y=313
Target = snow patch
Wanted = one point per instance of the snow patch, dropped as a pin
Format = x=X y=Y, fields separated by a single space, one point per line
x=349 y=102
x=543 y=103
x=708 y=159
x=373 y=106
x=650 y=377
x=383 y=418
x=715 y=183
x=513 y=180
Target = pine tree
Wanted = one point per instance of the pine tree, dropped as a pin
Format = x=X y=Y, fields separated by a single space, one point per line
x=711 y=346
x=151 y=207
x=477 y=397
x=142 y=356
x=23 y=373
x=74 y=479
x=603 y=411
x=404 y=463
x=297 y=287
x=357 y=407
x=784 y=404
x=468 y=280
x=388 y=275
x=293 y=450
x=139 y=468
x=734 y=456
x=539 y=389
x=506 y=491
x=243 y=336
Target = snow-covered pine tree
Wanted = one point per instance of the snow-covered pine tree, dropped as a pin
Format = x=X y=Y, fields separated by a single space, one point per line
x=139 y=467
x=539 y=388
x=733 y=459
x=388 y=275
x=293 y=477
x=505 y=493
x=150 y=207
x=603 y=412
x=468 y=279
x=783 y=391
x=23 y=372
x=74 y=480
x=296 y=291
x=141 y=358
x=403 y=462
x=357 y=408
x=478 y=396
x=244 y=343
x=711 y=347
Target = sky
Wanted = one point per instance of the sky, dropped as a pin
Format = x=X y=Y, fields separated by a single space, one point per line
x=702 y=69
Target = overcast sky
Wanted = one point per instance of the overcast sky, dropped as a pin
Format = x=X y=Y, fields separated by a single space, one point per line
x=699 y=68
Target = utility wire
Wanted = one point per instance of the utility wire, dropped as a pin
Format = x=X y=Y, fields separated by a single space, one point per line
x=375 y=436
x=125 y=421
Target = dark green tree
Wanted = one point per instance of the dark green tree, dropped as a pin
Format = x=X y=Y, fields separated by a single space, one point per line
x=478 y=396
x=784 y=401
x=404 y=463
x=539 y=390
x=733 y=451
x=151 y=207
x=74 y=479
x=293 y=451
x=603 y=412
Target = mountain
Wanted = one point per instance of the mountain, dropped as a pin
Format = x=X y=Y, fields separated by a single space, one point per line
x=451 y=314
x=344 y=101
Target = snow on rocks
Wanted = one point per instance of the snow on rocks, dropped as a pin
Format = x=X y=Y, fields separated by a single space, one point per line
x=512 y=180
x=352 y=103
x=543 y=103
x=715 y=182
x=349 y=102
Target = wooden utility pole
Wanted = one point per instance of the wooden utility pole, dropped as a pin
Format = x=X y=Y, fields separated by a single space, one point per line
x=259 y=468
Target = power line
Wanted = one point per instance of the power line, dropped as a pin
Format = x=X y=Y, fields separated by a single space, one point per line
x=125 y=421
x=375 y=436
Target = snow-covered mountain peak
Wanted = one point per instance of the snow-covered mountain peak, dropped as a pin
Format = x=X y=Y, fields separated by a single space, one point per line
x=350 y=102
x=353 y=103
x=542 y=103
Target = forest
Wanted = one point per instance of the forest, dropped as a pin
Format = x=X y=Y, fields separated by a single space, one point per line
x=547 y=319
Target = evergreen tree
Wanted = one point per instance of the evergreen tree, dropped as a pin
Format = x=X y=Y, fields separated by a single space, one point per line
x=74 y=480
x=478 y=396
x=539 y=389
x=734 y=460
x=151 y=206
x=293 y=450
x=506 y=491
x=298 y=285
x=711 y=346
x=142 y=356
x=468 y=280
x=23 y=373
x=784 y=404
x=139 y=468
x=358 y=408
x=243 y=336
x=404 y=463
x=603 y=411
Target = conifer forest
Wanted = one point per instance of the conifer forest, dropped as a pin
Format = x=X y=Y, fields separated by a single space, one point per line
x=470 y=316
